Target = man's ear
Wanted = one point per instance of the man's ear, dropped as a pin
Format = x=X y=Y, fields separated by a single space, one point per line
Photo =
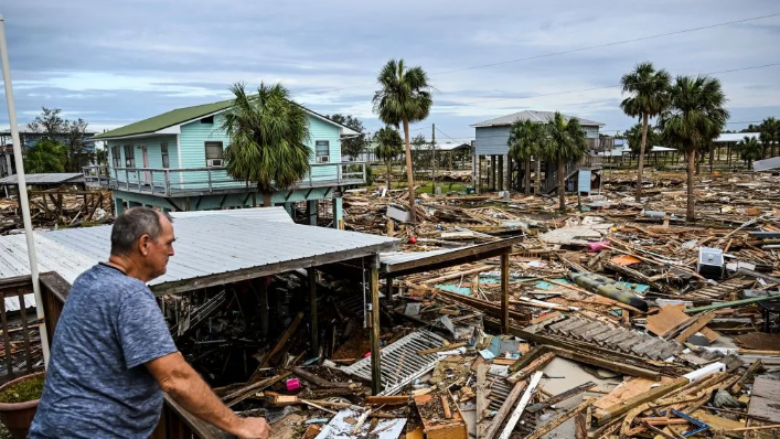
x=143 y=244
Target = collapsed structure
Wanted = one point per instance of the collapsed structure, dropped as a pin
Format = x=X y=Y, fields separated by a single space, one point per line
x=493 y=317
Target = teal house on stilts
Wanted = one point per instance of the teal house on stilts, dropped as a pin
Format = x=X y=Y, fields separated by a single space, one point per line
x=174 y=162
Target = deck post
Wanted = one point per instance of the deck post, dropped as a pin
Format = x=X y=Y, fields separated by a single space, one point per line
x=263 y=299
x=376 y=366
x=312 y=207
x=338 y=211
x=315 y=333
x=505 y=292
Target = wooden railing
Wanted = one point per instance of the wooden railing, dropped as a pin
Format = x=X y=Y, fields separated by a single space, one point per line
x=166 y=182
x=21 y=354
x=588 y=161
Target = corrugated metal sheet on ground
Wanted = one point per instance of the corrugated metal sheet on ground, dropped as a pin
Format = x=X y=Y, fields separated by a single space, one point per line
x=401 y=364
x=767 y=165
x=53 y=178
x=205 y=245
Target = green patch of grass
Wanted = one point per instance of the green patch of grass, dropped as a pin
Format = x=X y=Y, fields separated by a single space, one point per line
x=23 y=391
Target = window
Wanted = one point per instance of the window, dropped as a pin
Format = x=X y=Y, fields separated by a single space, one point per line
x=129 y=156
x=214 y=154
x=322 y=150
x=209 y=120
x=166 y=161
x=115 y=157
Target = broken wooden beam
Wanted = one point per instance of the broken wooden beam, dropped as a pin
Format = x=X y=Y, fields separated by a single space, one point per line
x=699 y=324
x=535 y=365
x=561 y=397
x=563 y=417
x=282 y=342
x=602 y=416
x=512 y=421
x=506 y=407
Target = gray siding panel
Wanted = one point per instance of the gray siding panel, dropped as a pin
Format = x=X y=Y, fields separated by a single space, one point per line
x=492 y=141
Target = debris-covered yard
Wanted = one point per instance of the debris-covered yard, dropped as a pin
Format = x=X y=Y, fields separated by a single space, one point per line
x=624 y=321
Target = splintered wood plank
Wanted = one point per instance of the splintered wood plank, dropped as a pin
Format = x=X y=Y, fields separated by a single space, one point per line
x=701 y=321
x=628 y=389
x=767 y=388
x=667 y=320
x=764 y=408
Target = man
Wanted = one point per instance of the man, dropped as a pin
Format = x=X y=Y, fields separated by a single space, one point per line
x=113 y=355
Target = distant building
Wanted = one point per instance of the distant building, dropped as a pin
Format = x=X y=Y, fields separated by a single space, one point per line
x=491 y=142
x=31 y=138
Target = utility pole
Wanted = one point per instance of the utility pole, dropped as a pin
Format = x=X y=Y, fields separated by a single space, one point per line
x=24 y=203
x=433 y=148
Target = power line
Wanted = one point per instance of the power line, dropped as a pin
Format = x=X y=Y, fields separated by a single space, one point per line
x=613 y=86
x=615 y=43
x=581 y=49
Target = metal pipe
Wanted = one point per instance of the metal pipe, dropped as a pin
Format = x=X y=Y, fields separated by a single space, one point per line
x=24 y=203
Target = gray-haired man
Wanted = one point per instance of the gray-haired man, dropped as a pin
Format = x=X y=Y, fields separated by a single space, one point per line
x=113 y=355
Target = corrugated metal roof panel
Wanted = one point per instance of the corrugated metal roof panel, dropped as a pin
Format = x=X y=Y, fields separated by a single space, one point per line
x=205 y=245
x=12 y=303
x=275 y=214
x=53 y=178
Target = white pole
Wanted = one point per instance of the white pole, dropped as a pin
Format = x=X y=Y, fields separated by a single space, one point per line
x=24 y=204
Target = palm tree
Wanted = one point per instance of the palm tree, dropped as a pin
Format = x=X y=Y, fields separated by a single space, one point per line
x=566 y=143
x=634 y=136
x=769 y=135
x=750 y=149
x=526 y=139
x=390 y=146
x=695 y=118
x=45 y=157
x=405 y=97
x=268 y=135
x=649 y=91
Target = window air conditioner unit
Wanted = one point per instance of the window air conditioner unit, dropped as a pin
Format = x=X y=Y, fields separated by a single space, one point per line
x=215 y=163
x=323 y=159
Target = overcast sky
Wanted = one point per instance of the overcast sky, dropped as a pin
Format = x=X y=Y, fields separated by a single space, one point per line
x=118 y=61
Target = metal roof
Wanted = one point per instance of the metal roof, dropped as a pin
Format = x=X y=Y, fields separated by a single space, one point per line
x=53 y=178
x=767 y=165
x=210 y=250
x=532 y=115
x=275 y=214
x=735 y=137
x=398 y=264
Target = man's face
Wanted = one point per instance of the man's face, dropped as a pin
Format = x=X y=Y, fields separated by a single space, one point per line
x=157 y=252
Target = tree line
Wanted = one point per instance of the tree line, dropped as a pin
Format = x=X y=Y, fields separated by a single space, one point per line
x=62 y=146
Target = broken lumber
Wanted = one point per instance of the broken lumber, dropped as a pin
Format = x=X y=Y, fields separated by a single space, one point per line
x=535 y=365
x=602 y=416
x=561 y=397
x=314 y=379
x=735 y=303
x=529 y=391
x=246 y=392
x=283 y=339
x=755 y=367
x=448 y=347
x=387 y=400
x=506 y=407
x=695 y=327
x=563 y=417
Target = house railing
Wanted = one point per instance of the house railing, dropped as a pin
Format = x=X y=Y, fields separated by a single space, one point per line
x=167 y=182
x=21 y=344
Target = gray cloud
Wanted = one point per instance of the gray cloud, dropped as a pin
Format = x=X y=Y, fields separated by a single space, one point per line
x=116 y=62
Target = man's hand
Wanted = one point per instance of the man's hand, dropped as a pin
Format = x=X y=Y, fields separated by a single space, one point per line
x=253 y=428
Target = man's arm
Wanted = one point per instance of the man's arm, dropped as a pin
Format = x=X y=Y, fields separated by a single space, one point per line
x=182 y=383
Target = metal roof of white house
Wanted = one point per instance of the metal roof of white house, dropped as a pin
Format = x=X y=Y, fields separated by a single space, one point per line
x=532 y=115
x=206 y=245
x=52 y=178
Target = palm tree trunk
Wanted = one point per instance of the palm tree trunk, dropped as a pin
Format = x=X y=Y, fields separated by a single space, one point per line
x=641 y=160
x=538 y=175
x=388 y=174
x=712 y=158
x=561 y=184
x=527 y=176
x=410 y=174
x=690 y=212
x=266 y=199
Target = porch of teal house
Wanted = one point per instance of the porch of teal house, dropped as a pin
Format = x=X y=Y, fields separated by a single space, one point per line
x=174 y=162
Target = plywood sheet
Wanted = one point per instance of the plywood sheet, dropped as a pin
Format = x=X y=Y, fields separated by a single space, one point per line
x=628 y=389
x=764 y=408
x=766 y=388
x=667 y=320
